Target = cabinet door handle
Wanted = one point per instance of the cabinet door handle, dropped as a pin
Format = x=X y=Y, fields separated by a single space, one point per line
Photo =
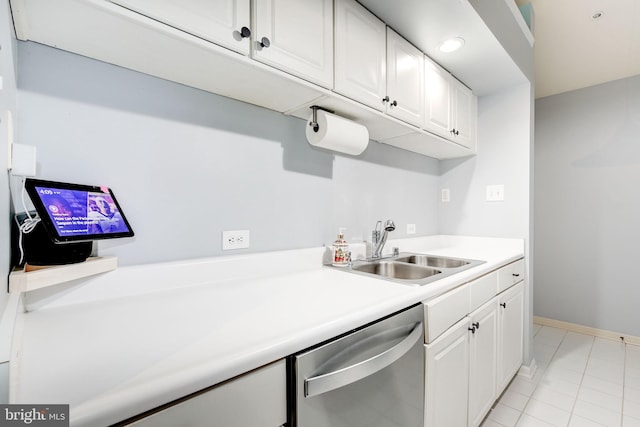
x=503 y=305
x=385 y=99
x=476 y=325
x=472 y=329
x=245 y=33
x=264 y=42
x=516 y=275
x=394 y=103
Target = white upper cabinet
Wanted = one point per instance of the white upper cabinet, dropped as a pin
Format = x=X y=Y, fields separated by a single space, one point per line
x=464 y=114
x=437 y=99
x=450 y=108
x=295 y=36
x=360 y=54
x=224 y=22
x=405 y=79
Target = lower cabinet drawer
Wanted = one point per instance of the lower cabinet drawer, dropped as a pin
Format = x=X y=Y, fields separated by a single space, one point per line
x=482 y=290
x=510 y=274
x=255 y=399
x=442 y=312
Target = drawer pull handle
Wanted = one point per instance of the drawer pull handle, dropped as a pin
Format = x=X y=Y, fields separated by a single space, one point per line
x=324 y=383
x=503 y=305
x=516 y=275
x=472 y=329
x=476 y=325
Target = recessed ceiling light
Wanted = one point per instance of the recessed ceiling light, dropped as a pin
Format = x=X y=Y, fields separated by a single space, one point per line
x=597 y=15
x=451 y=45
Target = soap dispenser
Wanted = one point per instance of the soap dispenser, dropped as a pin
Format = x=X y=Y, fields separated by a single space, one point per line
x=341 y=254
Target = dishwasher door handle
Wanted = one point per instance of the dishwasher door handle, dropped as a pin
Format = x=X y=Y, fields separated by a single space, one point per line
x=332 y=380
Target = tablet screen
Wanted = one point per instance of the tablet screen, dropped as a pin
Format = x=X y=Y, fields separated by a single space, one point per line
x=74 y=212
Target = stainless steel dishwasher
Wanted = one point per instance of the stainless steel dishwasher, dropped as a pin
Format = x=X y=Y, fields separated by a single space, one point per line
x=370 y=377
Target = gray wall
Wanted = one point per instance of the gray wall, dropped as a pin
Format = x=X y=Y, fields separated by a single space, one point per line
x=7 y=102
x=503 y=158
x=587 y=171
x=186 y=164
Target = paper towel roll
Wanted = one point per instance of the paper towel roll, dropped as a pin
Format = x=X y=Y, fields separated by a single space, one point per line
x=338 y=134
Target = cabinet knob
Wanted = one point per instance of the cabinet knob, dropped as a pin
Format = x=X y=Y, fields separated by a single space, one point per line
x=394 y=103
x=472 y=329
x=476 y=325
x=385 y=99
x=503 y=305
x=245 y=33
x=265 y=43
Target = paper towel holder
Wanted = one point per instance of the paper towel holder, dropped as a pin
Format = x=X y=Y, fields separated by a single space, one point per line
x=314 y=119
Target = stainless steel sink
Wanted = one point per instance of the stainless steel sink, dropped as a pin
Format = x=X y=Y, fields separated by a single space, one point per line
x=434 y=261
x=396 y=270
x=411 y=268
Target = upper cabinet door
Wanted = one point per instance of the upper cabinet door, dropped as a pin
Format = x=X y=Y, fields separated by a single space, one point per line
x=296 y=36
x=437 y=104
x=360 y=54
x=465 y=114
x=405 y=79
x=219 y=21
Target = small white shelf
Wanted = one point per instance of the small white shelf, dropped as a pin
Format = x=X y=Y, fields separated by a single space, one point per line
x=23 y=281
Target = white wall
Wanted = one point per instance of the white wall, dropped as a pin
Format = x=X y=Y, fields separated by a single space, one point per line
x=588 y=205
x=186 y=164
x=7 y=102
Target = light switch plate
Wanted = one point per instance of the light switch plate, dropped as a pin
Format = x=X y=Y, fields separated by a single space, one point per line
x=411 y=229
x=445 y=195
x=495 y=193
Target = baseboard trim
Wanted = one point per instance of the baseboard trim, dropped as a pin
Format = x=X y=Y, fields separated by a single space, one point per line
x=528 y=371
x=587 y=330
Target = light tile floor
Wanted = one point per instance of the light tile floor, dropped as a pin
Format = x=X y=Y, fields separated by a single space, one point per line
x=581 y=381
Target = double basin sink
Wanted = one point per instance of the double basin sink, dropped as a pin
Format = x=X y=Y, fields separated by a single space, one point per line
x=413 y=269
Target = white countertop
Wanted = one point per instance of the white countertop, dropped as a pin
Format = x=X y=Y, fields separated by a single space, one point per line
x=130 y=340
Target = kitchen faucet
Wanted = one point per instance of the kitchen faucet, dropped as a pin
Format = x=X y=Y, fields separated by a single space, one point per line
x=379 y=236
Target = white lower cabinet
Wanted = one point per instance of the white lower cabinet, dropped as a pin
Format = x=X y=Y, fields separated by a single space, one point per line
x=483 y=347
x=447 y=378
x=256 y=399
x=510 y=333
x=469 y=364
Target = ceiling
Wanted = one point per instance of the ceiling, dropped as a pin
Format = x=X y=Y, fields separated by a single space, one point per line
x=482 y=64
x=572 y=50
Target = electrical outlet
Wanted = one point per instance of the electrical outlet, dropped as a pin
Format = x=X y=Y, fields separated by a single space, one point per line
x=446 y=195
x=411 y=229
x=235 y=239
x=495 y=193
